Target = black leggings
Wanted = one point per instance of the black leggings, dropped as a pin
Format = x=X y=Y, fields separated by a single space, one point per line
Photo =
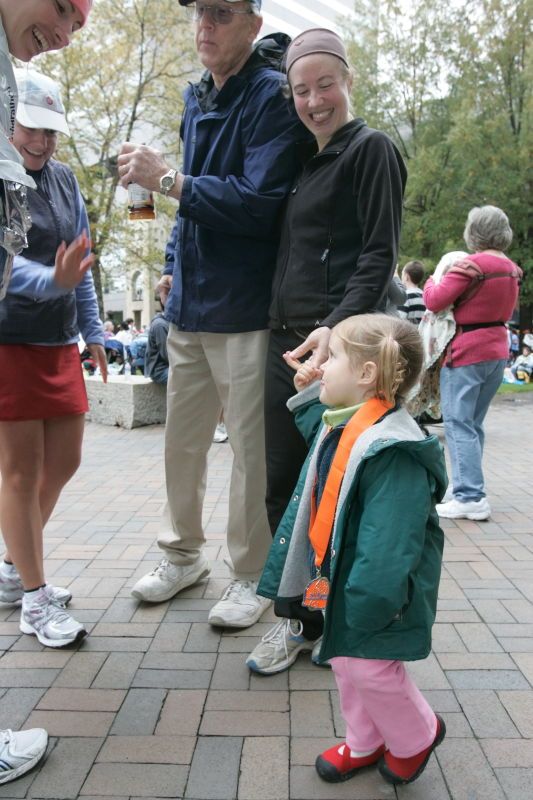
x=286 y=451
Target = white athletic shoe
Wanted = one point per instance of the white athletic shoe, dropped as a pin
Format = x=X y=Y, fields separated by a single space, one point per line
x=42 y=617
x=20 y=751
x=168 y=579
x=279 y=648
x=474 y=509
x=221 y=434
x=239 y=606
x=11 y=590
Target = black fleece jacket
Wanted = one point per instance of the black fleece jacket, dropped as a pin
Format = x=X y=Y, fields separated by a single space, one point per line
x=340 y=232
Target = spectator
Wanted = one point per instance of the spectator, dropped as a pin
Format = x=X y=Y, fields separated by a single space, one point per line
x=412 y=278
x=109 y=330
x=21 y=750
x=483 y=290
x=239 y=137
x=338 y=252
x=156 y=356
x=124 y=334
x=522 y=367
x=51 y=293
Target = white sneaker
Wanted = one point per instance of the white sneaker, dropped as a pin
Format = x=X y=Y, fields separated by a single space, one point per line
x=20 y=751
x=221 y=434
x=315 y=653
x=279 y=648
x=11 y=590
x=239 y=606
x=168 y=579
x=48 y=621
x=473 y=509
x=448 y=495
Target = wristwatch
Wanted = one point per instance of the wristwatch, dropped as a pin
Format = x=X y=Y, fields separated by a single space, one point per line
x=167 y=181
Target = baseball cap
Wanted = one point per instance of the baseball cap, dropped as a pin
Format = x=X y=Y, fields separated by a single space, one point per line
x=40 y=103
x=255 y=3
x=84 y=7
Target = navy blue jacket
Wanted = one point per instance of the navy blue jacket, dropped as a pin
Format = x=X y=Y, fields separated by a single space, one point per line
x=240 y=161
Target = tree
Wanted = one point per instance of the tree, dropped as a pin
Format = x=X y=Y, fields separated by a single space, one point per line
x=452 y=86
x=122 y=79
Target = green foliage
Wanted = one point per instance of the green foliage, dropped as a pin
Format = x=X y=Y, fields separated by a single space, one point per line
x=122 y=80
x=452 y=84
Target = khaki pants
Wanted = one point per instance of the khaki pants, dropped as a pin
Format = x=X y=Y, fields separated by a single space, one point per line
x=209 y=371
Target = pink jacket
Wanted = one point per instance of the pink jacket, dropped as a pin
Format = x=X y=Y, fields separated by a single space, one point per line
x=494 y=300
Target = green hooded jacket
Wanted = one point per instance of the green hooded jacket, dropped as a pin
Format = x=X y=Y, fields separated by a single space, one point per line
x=386 y=548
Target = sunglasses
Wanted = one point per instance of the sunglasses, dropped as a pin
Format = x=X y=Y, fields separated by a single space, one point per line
x=219 y=14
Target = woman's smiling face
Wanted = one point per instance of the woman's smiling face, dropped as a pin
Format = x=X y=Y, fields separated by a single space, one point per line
x=36 y=26
x=321 y=91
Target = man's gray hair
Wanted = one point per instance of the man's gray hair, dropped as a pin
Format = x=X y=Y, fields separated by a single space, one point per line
x=487 y=228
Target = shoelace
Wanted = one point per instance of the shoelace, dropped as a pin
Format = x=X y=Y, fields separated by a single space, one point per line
x=6 y=736
x=48 y=612
x=236 y=589
x=161 y=567
x=278 y=634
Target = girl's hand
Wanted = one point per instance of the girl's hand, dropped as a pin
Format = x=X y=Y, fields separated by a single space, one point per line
x=72 y=262
x=98 y=355
x=306 y=373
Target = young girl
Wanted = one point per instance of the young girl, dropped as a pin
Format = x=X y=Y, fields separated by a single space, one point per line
x=365 y=511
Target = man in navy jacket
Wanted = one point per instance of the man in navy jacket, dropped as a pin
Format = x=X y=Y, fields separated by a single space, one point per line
x=239 y=137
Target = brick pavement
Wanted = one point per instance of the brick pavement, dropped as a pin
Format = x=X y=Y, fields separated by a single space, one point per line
x=157 y=704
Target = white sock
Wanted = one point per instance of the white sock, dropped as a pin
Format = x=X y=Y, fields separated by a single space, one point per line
x=361 y=754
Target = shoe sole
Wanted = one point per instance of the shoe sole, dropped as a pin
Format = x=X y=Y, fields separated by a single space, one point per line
x=220 y=622
x=396 y=780
x=329 y=774
x=190 y=580
x=278 y=667
x=57 y=643
x=13 y=774
x=477 y=517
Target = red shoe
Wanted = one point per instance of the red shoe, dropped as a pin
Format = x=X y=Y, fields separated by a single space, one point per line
x=405 y=770
x=336 y=764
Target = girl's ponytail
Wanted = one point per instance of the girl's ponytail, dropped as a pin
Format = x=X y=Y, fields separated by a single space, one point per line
x=393 y=344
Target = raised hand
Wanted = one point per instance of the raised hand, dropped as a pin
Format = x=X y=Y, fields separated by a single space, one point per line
x=72 y=262
x=306 y=373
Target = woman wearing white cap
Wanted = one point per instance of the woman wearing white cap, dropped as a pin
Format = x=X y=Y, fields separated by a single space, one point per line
x=43 y=405
x=27 y=27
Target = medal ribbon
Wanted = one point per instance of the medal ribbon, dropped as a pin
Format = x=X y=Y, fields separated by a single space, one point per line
x=321 y=522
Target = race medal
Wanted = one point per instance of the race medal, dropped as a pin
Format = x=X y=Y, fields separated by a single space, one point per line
x=316 y=593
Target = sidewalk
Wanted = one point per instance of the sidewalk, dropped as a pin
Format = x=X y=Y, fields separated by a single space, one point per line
x=156 y=704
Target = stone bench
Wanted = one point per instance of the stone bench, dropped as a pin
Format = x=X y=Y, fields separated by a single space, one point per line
x=127 y=401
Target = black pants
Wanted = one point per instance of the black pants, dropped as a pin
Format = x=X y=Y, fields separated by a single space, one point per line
x=286 y=451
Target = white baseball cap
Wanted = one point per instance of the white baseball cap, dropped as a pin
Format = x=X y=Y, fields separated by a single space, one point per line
x=40 y=103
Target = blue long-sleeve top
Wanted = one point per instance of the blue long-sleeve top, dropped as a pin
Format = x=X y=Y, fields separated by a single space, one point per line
x=58 y=213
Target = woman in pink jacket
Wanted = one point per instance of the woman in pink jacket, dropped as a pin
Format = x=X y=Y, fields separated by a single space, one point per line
x=483 y=291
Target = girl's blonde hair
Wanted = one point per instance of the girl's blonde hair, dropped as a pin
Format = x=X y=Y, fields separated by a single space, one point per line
x=393 y=344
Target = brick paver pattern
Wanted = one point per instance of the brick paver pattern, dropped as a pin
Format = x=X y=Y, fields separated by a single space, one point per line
x=156 y=703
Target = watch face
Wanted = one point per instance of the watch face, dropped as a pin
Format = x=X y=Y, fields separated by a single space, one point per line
x=167 y=182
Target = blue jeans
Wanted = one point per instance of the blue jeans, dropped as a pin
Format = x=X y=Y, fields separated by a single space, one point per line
x=466 y=393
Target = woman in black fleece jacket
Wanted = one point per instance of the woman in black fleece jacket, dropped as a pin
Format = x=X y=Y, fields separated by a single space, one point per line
x=338 y=248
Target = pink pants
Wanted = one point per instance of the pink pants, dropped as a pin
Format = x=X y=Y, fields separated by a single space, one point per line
x=381 y=705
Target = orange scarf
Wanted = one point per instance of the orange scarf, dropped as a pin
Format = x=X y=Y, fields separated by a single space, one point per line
x=321 y=522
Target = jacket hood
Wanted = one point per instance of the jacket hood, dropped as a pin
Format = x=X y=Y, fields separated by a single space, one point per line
x=427 y=450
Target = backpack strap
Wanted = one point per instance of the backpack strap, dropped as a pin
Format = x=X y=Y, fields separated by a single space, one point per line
x=478 y=277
